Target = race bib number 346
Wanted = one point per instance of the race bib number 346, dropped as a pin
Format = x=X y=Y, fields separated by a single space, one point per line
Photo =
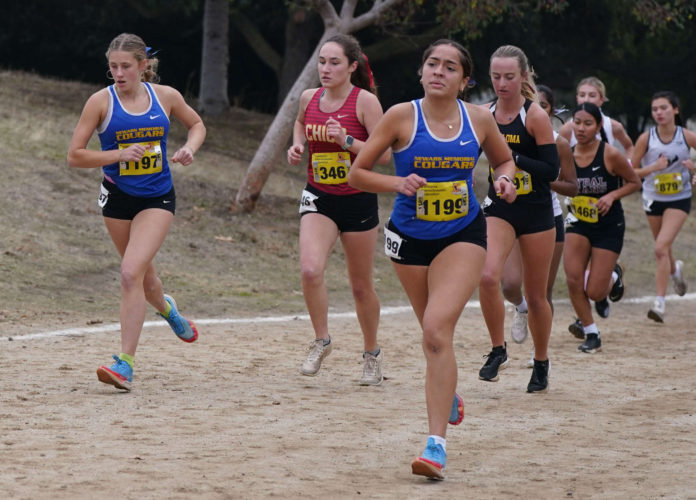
x=150 y=163
x=331 y=168
x=442 y=201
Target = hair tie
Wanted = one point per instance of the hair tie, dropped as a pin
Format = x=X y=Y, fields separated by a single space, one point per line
x=150 y=52
x=369 y=71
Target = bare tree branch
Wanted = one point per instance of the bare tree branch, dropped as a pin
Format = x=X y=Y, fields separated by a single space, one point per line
x=371 y=16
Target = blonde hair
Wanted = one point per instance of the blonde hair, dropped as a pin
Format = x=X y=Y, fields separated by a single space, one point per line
x=127 y=42
x=596 y=83
x=529 y=90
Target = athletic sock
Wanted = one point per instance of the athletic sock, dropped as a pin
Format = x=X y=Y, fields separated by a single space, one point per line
x=127 y=358
x=590 y=329
x=167 y=310
x=326 y=341
x=439 y=440
x=522 y=306
x=374 y=353
x=661 y=300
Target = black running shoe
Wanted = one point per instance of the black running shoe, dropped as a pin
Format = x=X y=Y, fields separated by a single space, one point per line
x=592 y=344
x=577 y=330
x=603 y=308
x=617 y=289
x=497 y=360
x=540 y=377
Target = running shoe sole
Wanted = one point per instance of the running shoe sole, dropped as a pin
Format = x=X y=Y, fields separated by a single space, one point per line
x=616 y=295
x=655 y=316
x=424 y=467
x=107 y=376
x=577 y=330
x=193 y=327
x=460 y=410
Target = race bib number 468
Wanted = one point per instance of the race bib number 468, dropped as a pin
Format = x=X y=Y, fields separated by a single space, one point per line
x=585 y=209
x=150 y=163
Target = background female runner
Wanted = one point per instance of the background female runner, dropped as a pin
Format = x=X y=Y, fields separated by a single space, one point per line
x=567 y=185
x=595 y=228
x=528 y=133
x=436 y=237
x=592 y=89
x=335 y=120
x=662 y=159
x=137 y=195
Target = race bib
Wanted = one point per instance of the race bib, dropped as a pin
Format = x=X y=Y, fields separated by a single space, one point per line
x=150 y=163
x=307 y=202
x=668 y=183
x=392 y=243
x=585 y=209
x=523 y=182
x=103 y=196
x=442 y=201
x=331 y=168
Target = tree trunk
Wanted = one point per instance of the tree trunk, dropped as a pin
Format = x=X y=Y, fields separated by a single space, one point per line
x=275 y=140
x=213 y=98
x=273 y=145
x=302 y=30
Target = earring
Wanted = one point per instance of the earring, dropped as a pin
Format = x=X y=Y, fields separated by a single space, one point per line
x=109 y=74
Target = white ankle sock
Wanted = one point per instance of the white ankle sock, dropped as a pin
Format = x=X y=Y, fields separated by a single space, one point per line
x=522 y=306
x=440 y=440
x=590 y=329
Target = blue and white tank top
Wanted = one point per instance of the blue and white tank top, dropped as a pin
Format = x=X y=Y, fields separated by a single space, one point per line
x=674 y=182
x=447 y=204
x=150 y=177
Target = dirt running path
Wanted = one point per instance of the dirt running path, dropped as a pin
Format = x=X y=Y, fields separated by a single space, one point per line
x=230 y=417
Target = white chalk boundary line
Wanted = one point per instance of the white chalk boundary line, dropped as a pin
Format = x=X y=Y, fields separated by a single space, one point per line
x=279 y=319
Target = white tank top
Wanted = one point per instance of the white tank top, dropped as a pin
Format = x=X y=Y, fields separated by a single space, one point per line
x=674 y=182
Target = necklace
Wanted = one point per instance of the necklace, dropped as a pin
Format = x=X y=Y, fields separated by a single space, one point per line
x=449 y=126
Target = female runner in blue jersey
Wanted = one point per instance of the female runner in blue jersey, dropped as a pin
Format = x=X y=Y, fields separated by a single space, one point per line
x=137 y=195
x=436 y=237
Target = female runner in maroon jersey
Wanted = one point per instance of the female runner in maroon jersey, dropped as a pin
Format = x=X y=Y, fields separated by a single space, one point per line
x=335 y=121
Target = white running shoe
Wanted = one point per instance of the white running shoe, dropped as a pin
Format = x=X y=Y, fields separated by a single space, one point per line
x=530 y=363
x=372 y=369
x=317 y=352
x=657 y=312
x=518 y=330
x=678 y=278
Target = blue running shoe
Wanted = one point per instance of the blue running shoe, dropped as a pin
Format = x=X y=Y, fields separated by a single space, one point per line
x=120 y=374
x=431 y=463
x=457 y=412
x=184 y=328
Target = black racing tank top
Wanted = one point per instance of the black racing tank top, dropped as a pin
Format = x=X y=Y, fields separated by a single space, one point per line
x=530 y=189
x=594 y=180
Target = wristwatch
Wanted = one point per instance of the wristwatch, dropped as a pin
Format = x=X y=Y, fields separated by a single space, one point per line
x=349 y=142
